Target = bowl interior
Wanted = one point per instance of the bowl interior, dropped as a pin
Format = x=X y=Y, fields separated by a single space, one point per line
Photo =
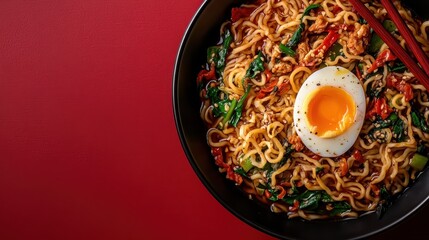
x=203 y=32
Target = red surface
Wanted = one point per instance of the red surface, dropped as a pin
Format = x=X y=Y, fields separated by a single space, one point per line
x=88 y=146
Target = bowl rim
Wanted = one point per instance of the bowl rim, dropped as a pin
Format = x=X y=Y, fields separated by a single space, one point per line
x=186 y=148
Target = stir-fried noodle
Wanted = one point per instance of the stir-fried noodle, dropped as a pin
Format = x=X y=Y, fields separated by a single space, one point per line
x=248 y=89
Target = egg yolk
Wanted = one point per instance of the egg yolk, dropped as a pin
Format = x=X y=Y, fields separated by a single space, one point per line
x=330 y=111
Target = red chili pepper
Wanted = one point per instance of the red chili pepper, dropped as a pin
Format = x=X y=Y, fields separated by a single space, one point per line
x=295 y=206
x=267 y=193
x=379 y=107
x=343 y=166
x=282 y=193
x=231 y=175
x=269 y=86
x=358 y=156
x=402 y=86
x=218 y=156
x=329 y=40
x=240 y=12
x=284 y=87
x=206 y=75
x=381 y=59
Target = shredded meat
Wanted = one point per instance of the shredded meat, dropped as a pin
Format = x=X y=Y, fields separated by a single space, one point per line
x=313 y=59
x=302 y=50
x=282 y=67
x=319 y=25
x=358 y=39
x=296 y=142
x=307 y=57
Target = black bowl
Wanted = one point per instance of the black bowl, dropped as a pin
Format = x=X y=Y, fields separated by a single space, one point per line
x=202 y=33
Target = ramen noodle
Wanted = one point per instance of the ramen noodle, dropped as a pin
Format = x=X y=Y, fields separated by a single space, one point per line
x=309 y=112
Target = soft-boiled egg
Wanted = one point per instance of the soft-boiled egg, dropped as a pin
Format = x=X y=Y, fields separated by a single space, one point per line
x=329 y=111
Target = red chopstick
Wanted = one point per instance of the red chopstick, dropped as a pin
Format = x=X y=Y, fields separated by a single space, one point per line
x=392 y=42
x=406 y=34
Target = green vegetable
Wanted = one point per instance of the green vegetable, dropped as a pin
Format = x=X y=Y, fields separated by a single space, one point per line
x=419 y=121
x=394 y=122
x=418 y=161
x=217 y=54
x=308 y=9
x=246 y=164
x=220 y=105
x=398 y=130
x=316 y=201
x=335 y=51
x=213 y=94
x=239 y=108
x=255 y=67
x=319 y=169
x=376 y=42
x=339 y=208
x=389 y=25
x=240 y=170
x=374 y=91
x=325 y=197
x=386 y=201
x=378 y=134
x=296 y=37
x=421 y=149
x=286 y=50
x=230 y=111
x=397 y=67
x=289 y=150
x=310 y=200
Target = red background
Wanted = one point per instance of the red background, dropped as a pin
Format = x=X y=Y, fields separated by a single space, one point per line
x=88 y=145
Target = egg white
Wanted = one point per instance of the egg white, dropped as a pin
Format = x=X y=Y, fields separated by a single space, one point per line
x=334 y=76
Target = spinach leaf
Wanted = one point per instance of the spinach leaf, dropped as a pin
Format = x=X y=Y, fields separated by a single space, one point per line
x=310 y=200
x=398 y=130
x=386 y=201
x=286 y=50
x=373 y=91
x=325 y=197
x=335 y=51
x=239 y=108
x=398 y=67
x=217 y=54
x=230 y=112
x=289 y=150
x=220 y=106
x=308 y=9
x=213 y=94
x=392 y=121
x=296 y=37
x=419 y=121
x=339 y=208
x=256 y=66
